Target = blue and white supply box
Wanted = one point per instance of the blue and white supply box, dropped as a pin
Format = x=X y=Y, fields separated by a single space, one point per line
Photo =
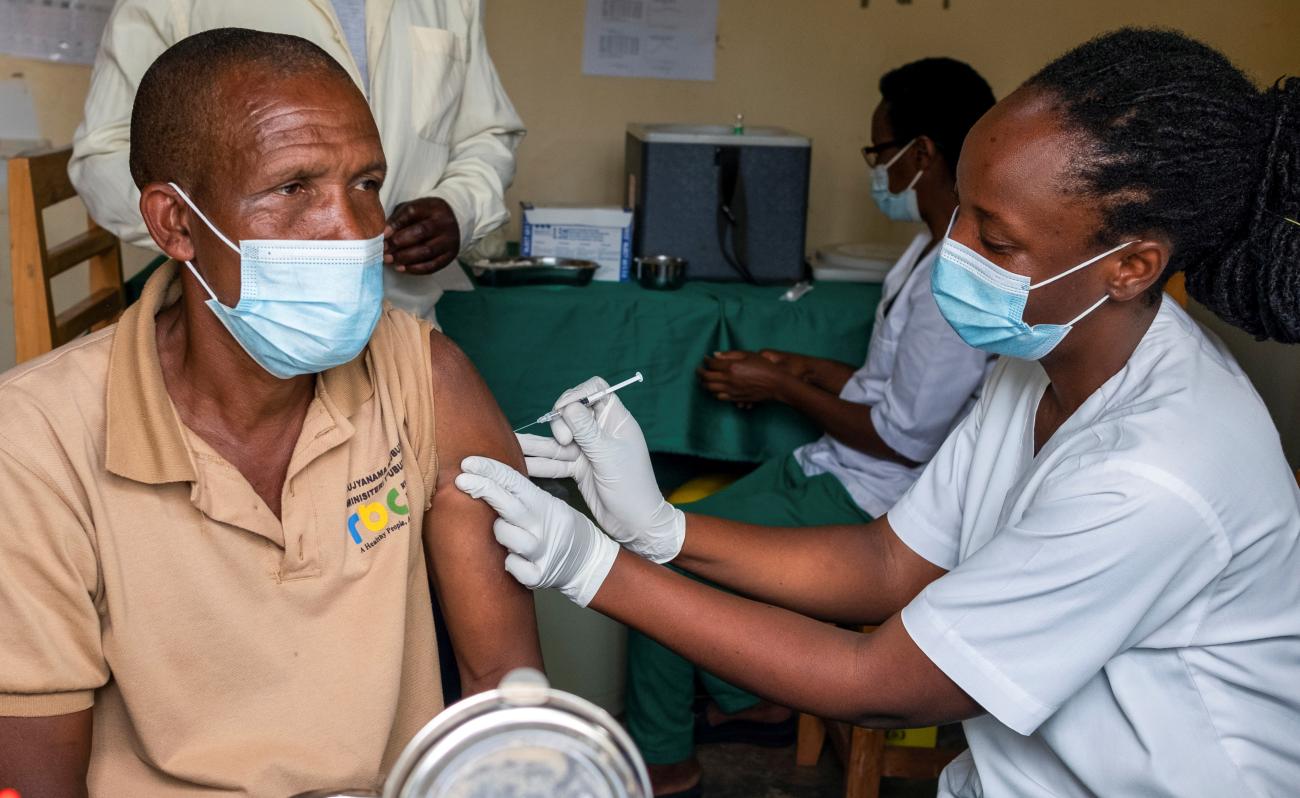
x=602 y=235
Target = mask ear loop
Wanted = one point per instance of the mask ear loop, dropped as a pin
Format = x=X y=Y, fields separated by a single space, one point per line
x=894 y=160
x=951 y=221
x=1086 y=263
x=1095 y=305
x=214 y=230
x=899 y=154
x=1099 y=302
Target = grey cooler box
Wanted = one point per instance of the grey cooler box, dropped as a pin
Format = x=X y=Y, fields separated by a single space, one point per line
x=735 y=206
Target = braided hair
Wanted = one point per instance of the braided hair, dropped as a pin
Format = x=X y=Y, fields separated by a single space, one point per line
x=1175 y=140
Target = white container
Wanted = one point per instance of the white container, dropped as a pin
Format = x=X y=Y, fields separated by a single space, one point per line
x=854 y=263
x=599 y=234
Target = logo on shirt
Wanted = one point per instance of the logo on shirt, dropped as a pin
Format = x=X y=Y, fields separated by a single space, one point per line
x=378 y=508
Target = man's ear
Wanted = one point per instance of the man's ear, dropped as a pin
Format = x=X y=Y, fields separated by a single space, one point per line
x=1139 y=268
x=167 y=217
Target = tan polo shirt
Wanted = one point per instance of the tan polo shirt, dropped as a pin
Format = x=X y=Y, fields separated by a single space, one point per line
x=225 y=651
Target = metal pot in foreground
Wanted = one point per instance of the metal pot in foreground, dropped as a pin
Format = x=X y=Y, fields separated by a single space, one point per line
x=522 y=739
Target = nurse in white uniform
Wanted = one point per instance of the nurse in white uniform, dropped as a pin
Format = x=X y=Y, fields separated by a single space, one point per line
x=1098 y=572
x=883 y=419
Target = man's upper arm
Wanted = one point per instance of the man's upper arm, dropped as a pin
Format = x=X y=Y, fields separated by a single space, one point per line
x=50 y=655
x=51 y=660
x=489 y=615
x=46 y=757
x=137 y=33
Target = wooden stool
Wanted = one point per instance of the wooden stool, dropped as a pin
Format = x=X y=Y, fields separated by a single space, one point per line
x=865 y=756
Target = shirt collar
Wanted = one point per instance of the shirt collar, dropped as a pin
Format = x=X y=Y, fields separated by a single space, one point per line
x=145 y=441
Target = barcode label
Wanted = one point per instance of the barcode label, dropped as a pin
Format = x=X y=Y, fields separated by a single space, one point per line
x=620 y=10
x=614 y=45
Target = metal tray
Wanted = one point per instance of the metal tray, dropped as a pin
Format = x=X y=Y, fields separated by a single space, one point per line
x=502 y=272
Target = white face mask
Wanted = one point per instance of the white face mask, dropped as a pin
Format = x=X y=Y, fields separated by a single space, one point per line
x=900 y=207
x=305 y=306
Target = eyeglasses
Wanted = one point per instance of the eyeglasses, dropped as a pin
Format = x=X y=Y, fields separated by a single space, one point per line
x=872 y=154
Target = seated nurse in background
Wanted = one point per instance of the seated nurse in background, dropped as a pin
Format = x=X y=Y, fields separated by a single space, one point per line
x=882 y=419
x=1097 y=571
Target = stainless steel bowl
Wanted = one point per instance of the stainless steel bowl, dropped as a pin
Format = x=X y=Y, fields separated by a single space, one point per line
x=522 y=739
x=661 y=272
x=502 y=272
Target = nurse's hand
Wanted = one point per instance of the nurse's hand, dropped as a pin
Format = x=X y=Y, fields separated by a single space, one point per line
x=550 y=543
x=602 y=449
x=801 y=367
x=745 y=378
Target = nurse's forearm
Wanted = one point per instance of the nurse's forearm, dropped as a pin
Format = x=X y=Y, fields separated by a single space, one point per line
x=881 y=680
x=858 y=574
x=829 y=375
x=848 y=422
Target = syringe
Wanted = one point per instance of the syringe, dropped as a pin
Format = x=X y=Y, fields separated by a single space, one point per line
x=586 y=400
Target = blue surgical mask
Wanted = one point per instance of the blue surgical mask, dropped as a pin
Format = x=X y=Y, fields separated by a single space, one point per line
x=304 y=306
x=900 y=207
x=985 y=303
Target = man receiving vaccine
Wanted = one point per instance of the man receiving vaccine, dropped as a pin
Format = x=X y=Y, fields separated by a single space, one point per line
x=226 y=510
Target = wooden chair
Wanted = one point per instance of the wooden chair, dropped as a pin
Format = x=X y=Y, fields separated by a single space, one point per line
x=866 y=758
x=37 y=181
x=1176 y=288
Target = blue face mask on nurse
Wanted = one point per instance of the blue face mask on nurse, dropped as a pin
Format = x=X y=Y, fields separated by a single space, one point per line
x=986 y=303
x=901 y=206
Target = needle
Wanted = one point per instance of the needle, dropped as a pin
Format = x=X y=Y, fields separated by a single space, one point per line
x=586 y=400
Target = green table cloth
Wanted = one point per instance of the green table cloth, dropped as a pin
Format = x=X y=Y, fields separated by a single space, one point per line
x=532 y=342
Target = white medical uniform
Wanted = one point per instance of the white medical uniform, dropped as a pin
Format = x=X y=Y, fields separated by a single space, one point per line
x=1125 y=604
x=919 y=379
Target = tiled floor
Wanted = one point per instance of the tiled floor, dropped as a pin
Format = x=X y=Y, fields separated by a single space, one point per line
x=746 y=771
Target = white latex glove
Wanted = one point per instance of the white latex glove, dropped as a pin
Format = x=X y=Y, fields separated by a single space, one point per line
x=602 y=448
x=551 y=544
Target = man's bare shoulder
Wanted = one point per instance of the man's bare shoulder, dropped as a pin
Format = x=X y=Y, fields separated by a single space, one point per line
x=469 y=419
x=451 y=366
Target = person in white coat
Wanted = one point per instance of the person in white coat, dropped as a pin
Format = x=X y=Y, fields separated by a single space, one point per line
x=883 y=419
x=1097 y=571
x=449 y=131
